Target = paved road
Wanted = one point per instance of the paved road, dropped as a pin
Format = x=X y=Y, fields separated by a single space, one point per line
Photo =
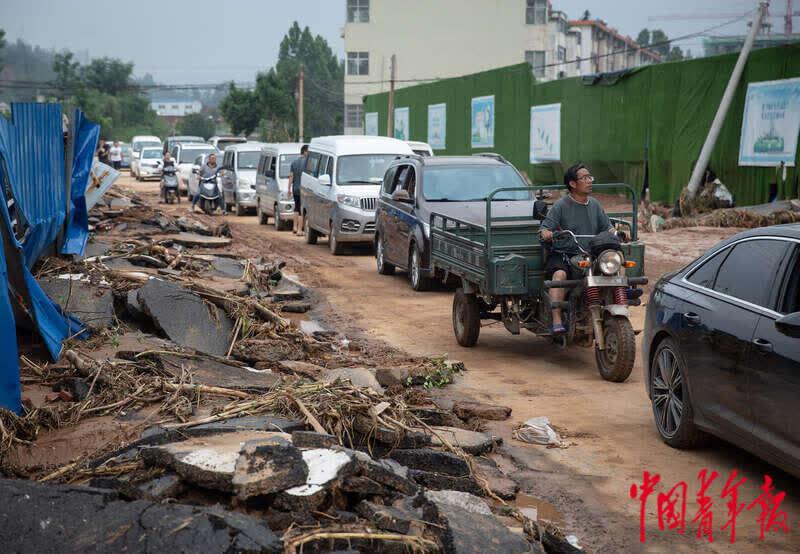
x=608 y=426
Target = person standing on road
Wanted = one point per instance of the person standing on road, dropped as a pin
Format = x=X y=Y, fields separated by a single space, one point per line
x=294 y=184
x=208 y=170
x=115 y=155
x=577 y=212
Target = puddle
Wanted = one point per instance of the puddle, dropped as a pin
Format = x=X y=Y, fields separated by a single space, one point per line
x=544 y=510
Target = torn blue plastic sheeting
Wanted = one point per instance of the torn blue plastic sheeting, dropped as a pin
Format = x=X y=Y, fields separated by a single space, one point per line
x=85 y=143
x=10 y=393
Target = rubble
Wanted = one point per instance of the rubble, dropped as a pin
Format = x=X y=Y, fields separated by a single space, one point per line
x=468 y=410
x=267 y=466
x=473 y=442
x=358 y=376
x=91 y=303
x=431 y=460
x=191 y=240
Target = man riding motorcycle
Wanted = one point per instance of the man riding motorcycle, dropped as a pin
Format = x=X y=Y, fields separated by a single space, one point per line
x=207 y=171
x=577 y=212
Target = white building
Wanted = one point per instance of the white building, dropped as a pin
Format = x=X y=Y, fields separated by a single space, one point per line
x=434 y=39
x=601 y=48
x=176 y=108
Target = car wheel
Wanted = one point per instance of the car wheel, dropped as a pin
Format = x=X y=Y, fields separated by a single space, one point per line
x=262 y=217
x=276 y=218
x=333 y=242
x=466 y=318
x=384 y=267
x=669 y=395
x=240 y=210
x=311 y=234
x=419 y=282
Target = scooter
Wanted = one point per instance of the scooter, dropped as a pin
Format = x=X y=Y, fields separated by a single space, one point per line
x=169 y=185
x=208 y=189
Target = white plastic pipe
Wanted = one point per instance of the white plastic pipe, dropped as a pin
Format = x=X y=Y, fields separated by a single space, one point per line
x=725 y=103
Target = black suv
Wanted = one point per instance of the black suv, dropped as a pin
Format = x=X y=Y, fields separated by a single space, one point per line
x=457 y=186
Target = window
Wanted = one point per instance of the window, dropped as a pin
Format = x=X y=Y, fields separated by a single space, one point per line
x=312 y=162
x=536 y=59
x=561 y=54
x=362 y=169
x=358 y=63
x=536 y=12
x=790 y=299
x=388 y=180
x=286 y=164
x=247 y=160
x=748 y=271
x=323 y=164
x=353 y=115
x=329 y=169
x=472 y=183
x=358 y=11
x=706 y=274
x=271 y=167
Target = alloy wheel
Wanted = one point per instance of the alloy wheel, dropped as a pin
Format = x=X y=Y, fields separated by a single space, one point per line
x=668 y=397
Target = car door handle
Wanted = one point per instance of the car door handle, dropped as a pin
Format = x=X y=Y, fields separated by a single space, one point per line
x=692 y=318
x=763 y=345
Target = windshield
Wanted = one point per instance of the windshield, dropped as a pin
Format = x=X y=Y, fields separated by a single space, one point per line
x=363 y=169
x=286 y=165
x=151 y=154
x=248 y=160
x=222 y=144
x=189 y=154
x=137 y=146
x=472 y=183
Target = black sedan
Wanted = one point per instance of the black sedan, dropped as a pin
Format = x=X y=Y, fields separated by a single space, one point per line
x=722 y=347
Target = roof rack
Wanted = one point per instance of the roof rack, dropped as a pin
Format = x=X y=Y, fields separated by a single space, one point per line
x=494 y=155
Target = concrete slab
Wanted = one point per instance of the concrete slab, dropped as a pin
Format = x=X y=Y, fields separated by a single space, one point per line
x=92 y=304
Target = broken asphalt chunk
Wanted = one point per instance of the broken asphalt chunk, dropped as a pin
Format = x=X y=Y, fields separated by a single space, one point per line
x=358 y=377
x=442 y=481
x=472 y=442
x=161 y=434
x=267 y=466
x=92 y=304
x=428 y=459
x=467 y=410
x=191 y=240
x=398 y=519
x=311 y=439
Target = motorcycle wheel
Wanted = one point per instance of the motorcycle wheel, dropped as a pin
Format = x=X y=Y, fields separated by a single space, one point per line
x=615 y=362
x=466 y=318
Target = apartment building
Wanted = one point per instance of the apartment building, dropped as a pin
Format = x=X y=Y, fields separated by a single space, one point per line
x=600 y=48
x=433 y=39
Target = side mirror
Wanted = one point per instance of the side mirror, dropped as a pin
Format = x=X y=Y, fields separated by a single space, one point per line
x=325 y=180
x=135 y=154
x=401 y=195
x=789 y=325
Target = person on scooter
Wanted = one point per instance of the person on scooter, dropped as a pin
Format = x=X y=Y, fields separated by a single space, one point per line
x=208 y=170
x=577 y=212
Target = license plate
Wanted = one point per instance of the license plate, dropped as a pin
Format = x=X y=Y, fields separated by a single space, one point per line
x=604 y=281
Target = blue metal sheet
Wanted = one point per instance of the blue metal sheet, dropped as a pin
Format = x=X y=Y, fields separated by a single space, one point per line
x=85 y=143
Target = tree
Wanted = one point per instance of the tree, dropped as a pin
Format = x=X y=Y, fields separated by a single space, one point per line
x=67 y=71
x=659 y=42
x=2 y=45
x=198 y=125
x=108 y=75
x=241 y=110
x=643 y=38
x=587 y=15
x=675 y=54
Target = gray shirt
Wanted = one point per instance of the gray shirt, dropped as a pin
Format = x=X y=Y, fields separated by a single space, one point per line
x=582 y=219
x=207 y=171
x=296 y=171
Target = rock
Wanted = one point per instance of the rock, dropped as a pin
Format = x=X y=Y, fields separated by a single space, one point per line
x=466 y=531
x=185 y=318
x=431 y=460
x=391 y=376
x=76 y=386
x=436 y=417
x=287 y=289
x=267 y=350
x=325 y=467
x=92 y=304
x=296 y=307
x=358 y=376
x=194 y=240
x=161 y=434
x=132 y=304
x=397 y=519
x=267 y=466
x=442 y=481
x=390 y=437
x=496 y=480
x=467 y=410
x=227 y=267
x=206 y=461
x=146 y=261
x=656 y=223
x=190 y=225
x=304 y=369
x=471 y=442
x=63 y=518
x=390 y=474
x=167 y=486
x=459 y=499
x=310 y=439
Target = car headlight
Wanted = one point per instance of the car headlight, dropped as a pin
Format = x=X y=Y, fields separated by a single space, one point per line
x=426 y=228
x=609 y=262
x=346 y=200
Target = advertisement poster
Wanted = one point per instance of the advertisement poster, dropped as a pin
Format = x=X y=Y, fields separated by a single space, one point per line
x=770 y=123
x=483 y=122
x=371 y=124
x=545 y=133
x=401 y=123
x=437 y=126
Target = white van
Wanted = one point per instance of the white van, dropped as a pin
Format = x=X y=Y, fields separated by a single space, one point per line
x=273 y=197
x=340 y=186
x=143 y=141
x=420 y=148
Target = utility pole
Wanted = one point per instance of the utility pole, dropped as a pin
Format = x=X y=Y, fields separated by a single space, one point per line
x=390 y=113
x=725 y=103
x=300 y=85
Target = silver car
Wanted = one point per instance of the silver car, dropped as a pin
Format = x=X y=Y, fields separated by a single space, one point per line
x=273 y=197
x=238 y=175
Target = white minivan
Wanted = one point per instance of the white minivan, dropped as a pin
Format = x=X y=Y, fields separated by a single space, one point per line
x=273 y=197
x=340 y=186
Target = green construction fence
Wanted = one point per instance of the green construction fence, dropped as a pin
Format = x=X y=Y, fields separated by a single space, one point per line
x=648 y=124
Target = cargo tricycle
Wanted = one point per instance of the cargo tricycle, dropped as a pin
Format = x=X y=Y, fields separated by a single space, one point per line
x=500 y=264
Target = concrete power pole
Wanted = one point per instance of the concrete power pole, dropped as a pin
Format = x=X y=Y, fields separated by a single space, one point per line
x=390 y=113
x=300 y=87
x=725 y=103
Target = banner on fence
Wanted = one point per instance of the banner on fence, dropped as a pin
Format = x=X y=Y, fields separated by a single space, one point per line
x=545 y=145
x=770 y=123
x=401 y=123
x=483 y=122
x=371 y=124
x=437 y=126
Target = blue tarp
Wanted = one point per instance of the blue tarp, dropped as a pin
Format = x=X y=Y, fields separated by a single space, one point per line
x=86 y=136
x=32 y=168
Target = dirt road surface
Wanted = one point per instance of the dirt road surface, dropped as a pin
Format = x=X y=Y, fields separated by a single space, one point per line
x=608 y=427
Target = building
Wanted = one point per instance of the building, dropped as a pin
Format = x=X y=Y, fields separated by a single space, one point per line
x=714 y=46
x=175 y=108
x=447 y=38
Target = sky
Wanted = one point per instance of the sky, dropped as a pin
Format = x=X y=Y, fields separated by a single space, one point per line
x=203 y=41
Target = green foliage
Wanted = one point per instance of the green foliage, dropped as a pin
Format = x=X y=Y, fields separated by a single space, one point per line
x=441 y=373
x=271 y=107
x=107 y=75
x=658 y=41
x=198 y=125
x=675 y=54
x=643 y=38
